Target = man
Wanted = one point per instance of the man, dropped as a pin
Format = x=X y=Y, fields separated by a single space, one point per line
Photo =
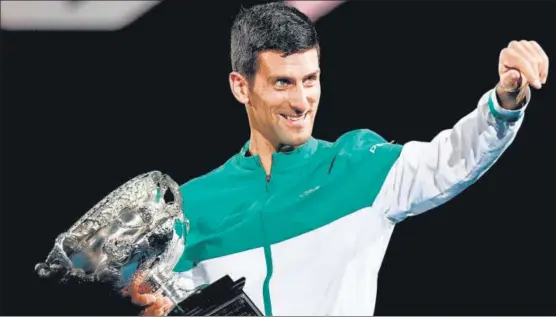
x=306 y=221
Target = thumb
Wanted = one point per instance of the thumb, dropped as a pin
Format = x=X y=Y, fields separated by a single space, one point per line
x=511 y=80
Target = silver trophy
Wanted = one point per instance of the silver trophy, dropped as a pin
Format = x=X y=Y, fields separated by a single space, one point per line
x=136 y=232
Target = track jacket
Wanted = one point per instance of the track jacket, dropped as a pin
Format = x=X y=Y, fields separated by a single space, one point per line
x=310 y=238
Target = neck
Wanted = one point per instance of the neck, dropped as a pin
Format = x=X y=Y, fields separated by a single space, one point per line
x=264 y=148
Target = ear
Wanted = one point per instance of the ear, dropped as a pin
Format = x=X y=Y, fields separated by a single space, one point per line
x=240 y=87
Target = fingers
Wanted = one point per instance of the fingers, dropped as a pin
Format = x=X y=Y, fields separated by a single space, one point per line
x=511 y=80
x=537 y=54
x=169 y=305
x=141 y=294
x=160 y=307
x=526 y=57
x=143 y=299
x=511 y=58
x=136 y=291
x=544 y=66
x=156 y=309
x=527 y=53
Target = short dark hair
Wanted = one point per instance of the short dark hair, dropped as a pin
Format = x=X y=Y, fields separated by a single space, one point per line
x=272 y=26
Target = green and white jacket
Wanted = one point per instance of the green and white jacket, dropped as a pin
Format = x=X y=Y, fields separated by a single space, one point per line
x=310 y=239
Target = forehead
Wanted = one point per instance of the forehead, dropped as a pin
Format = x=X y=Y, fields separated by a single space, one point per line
x=273 y=63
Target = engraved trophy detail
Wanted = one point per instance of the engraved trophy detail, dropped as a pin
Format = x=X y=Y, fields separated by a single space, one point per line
x=139 y=229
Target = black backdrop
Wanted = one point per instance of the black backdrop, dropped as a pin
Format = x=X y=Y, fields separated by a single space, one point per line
x=82 y=112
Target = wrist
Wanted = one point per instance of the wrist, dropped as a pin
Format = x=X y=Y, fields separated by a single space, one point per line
x=512 y=99
x=511 y=113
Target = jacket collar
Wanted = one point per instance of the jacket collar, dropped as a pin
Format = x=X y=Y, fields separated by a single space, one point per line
x=280 y=160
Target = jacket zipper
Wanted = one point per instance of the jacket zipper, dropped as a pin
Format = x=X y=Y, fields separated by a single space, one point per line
x=268 y=260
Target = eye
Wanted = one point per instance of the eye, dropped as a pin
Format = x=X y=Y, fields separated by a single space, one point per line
x=311 y=80
x=282 y=82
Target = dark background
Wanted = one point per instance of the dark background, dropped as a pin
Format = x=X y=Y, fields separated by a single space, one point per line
x=83 y=112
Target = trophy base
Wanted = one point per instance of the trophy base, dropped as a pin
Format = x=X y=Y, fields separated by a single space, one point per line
x=221 y=298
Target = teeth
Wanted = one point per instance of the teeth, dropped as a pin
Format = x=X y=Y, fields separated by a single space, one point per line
x=294 y=118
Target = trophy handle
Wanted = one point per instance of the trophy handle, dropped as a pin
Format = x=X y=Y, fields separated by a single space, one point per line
x=165 y=183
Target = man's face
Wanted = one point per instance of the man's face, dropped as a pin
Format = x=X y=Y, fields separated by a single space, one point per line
x=284 y=96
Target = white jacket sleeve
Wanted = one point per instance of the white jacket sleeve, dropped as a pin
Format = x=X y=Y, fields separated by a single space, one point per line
x=428 y=174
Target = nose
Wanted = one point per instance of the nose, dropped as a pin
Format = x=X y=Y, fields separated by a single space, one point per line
x=299 y=100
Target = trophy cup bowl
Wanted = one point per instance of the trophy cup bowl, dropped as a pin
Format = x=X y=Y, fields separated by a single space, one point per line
x=139 y=230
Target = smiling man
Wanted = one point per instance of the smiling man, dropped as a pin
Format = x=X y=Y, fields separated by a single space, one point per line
x=284 y=94
x=308 y=221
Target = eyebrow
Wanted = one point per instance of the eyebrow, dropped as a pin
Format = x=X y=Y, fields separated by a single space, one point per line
x=313 y=73
x=316 y=72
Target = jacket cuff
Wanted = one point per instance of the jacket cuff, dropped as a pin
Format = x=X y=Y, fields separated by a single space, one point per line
x=504 y=114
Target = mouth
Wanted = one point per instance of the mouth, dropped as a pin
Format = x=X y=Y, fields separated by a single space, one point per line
x=295 y=119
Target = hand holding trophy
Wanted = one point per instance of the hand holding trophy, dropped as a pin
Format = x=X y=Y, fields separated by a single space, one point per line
x=143 y=295
x=129 y=240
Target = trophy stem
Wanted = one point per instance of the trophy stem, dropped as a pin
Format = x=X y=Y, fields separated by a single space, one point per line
x=168 y=292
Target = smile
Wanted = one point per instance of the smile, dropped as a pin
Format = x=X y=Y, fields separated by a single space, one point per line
x=296 y=122
x=295 y=118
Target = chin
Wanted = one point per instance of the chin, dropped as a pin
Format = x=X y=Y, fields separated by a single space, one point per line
x=296 y=140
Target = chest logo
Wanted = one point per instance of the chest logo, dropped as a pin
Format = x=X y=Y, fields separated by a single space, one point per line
x=310 y=191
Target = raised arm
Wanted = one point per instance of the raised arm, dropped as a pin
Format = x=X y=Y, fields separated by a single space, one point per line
x=427 y=174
